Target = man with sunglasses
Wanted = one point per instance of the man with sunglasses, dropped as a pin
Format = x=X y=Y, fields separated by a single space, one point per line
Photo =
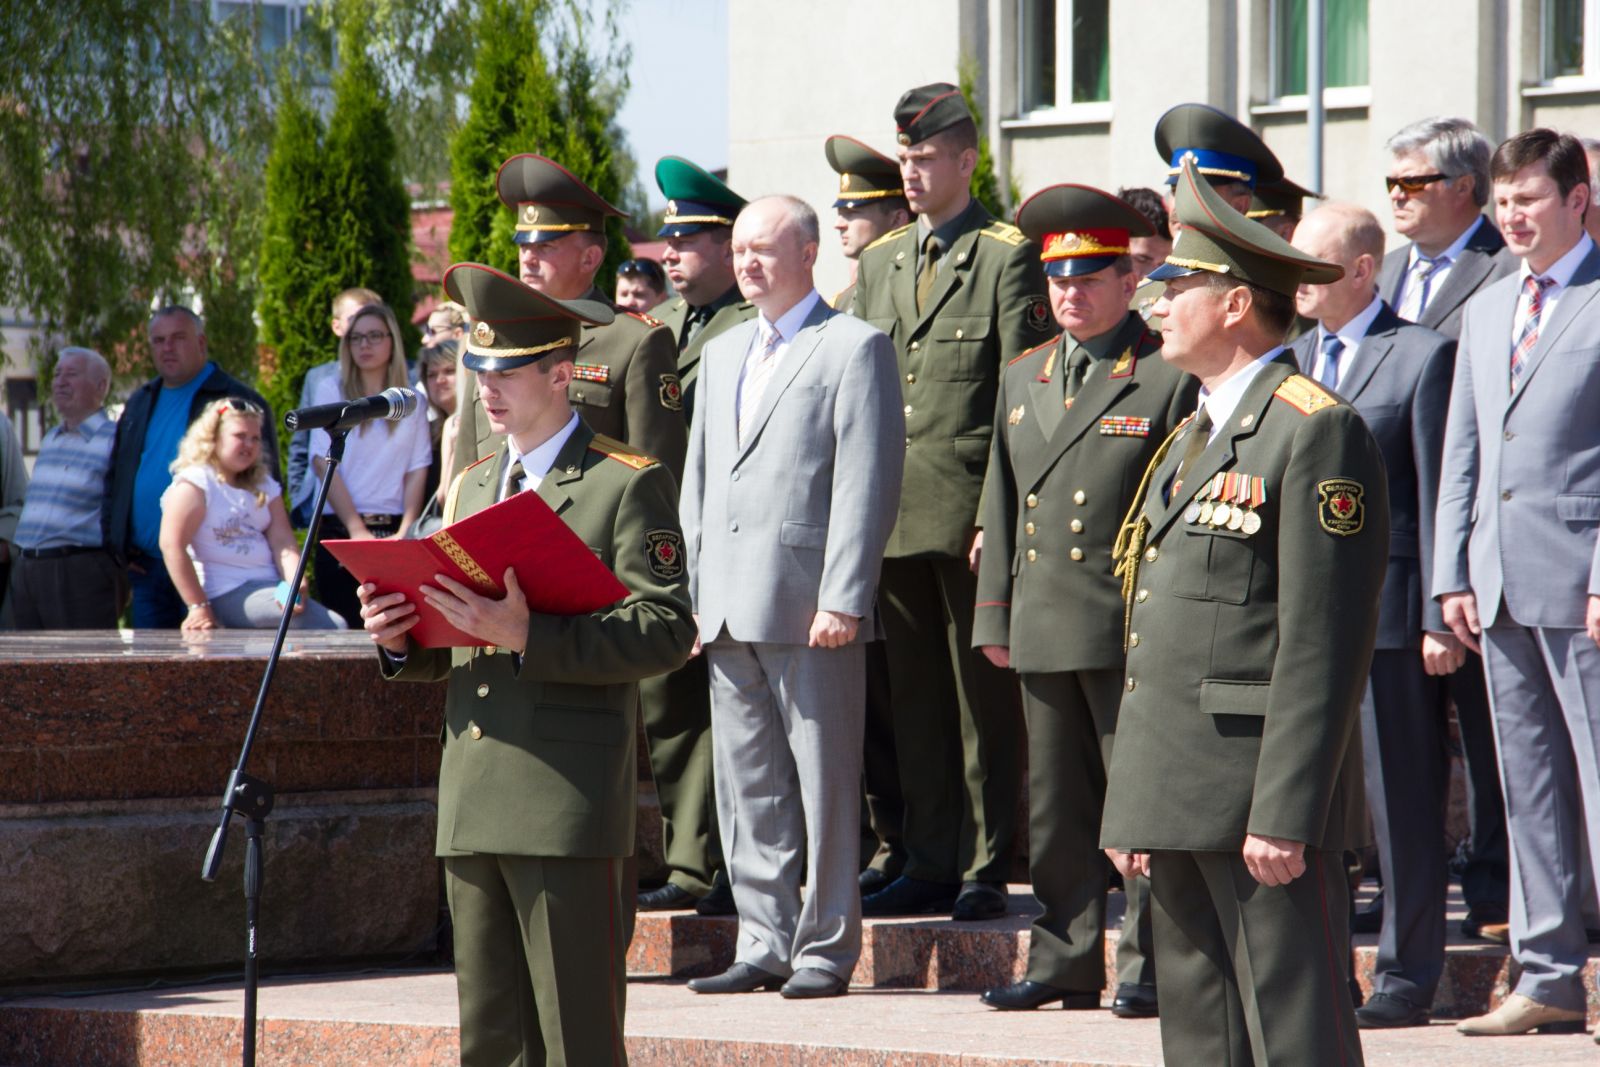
x=1438 y=185
x=640 y=285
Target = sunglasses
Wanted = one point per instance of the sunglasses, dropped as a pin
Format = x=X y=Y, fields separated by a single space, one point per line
x=648 y=268
x=1415 y=183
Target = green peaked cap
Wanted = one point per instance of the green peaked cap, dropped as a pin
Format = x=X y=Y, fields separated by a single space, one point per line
x=1218 y=239
x=696 y=198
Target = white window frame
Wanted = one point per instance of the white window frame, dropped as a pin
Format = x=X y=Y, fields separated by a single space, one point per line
x=1589 y=76
x=1061 y=113
x=1333 y=97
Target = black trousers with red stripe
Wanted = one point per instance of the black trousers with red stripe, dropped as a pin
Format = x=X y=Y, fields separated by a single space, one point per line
x=1252 y=975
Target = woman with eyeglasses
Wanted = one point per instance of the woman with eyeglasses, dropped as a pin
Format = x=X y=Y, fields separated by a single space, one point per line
x=379 y=486
x=640 y=284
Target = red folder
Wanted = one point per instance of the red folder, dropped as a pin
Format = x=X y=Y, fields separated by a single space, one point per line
x=556 y=571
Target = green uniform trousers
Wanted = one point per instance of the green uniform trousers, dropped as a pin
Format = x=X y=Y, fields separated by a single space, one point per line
x=676 y=710
x=1253 y=975
x=1072 y=719
x=882 y=808
x=957 y=726
x=541 y=953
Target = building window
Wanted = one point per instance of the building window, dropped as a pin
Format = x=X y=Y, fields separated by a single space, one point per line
x=1344 y=45
x=1064 y=54
x=1569 y=40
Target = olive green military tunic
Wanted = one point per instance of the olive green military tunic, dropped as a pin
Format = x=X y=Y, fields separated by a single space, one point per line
x=1250 y=638
x=674 y=314
x=537 y=783
x=625 y=385
x=957 y=730
x=1060 y=481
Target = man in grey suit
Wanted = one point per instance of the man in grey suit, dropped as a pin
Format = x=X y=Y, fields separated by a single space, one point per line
x=1397 y=375
x=1517 y=562
x=791 y=489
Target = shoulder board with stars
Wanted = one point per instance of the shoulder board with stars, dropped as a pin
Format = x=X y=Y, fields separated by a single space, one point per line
x=611 y=447
x=1305 y=395
x=1003 y=232
x=642 y=317
x=891 y=235
x=1035 y=350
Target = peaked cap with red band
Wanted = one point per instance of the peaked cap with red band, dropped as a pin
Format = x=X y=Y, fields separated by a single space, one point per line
x=1079 y=229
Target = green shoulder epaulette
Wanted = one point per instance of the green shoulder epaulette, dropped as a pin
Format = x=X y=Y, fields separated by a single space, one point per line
x=454 y=492
x=1304 y=395
x=1035 y=348
x=891 y=235
x=1003 y=232
x=610 y=446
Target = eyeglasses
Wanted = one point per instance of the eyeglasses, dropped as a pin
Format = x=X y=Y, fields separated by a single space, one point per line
x=647 y=268
x=368 y=338
x=1415 y=183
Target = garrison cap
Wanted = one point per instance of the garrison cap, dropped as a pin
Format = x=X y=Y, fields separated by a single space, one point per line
x=866 y=175
x=927 y=110
x=550 y=201
x=514 y=324
x=696 y=199
x=1079 y=229
x=1224 y=149
x=1282 y=197
x=1218 y=239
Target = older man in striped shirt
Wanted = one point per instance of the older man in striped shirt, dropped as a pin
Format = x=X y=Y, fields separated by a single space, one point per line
x=63 y=578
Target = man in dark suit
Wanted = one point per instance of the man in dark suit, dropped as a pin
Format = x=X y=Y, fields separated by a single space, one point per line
x=1397 y=375
x=1517 y=560
x=537 y=781
x=1438 y=184
x=1252 y=563
x=1078 y=420
x=792 y=486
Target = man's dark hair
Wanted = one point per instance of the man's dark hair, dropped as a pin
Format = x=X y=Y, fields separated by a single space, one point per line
x=960 y=137
x=1148 y=203
x=1561 y=153
x=1275 y=311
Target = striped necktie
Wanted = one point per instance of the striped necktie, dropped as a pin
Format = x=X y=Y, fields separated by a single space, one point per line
x=1414 y=301
x=757 y=372
x=1533 y=290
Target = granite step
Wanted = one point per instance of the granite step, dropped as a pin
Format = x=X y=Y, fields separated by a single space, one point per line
x=409 y=1018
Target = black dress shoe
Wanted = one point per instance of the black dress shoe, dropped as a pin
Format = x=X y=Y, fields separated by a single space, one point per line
x=812 y=983
x=1134 y=1001
x=720 y=900
x=978 y=901
x=1384 y=1011
x=740 y=978
x=871 y=880
x=909 y=896
x=1026 y=996
x=668 y=898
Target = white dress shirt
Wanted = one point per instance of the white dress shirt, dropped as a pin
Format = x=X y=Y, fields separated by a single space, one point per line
x=1560 y=272
x=787 y=326
x=1410 y=285
x=1221 y=403
x=536 y=462
x=1351 y=335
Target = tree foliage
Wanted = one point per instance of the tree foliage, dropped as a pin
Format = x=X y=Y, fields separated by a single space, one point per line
x=985 y=182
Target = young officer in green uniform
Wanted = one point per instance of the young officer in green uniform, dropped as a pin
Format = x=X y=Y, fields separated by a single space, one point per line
x=677 y=708
x=1078 y=421
x=625 y=375
x=537 y=782
x=1252 y=560
x=960 y=293
x=871 y=202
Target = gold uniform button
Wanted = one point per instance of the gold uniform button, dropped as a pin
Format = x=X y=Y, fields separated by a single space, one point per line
x=911 y=379
x=579 y=397
x=1077 y=526
x=483 y=689
x=1133 y=640
x=1028 y=529
x=490 y=650
x=1144 y=594
x=1132 y=685
x=1079 y=497
x=1151 y=554
x=1032 y=555
x=1032 y=501
x=476 y=731
x=959 y=335
x=908 y=409
x=915 y=345
x=1077 y=554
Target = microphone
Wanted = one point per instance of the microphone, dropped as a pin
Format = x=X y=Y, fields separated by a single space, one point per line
x=393 y=404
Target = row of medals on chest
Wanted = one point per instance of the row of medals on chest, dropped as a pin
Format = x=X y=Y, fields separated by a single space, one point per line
x=1229 y=500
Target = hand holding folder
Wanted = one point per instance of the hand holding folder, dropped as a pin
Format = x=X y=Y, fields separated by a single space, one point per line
x=557 y=572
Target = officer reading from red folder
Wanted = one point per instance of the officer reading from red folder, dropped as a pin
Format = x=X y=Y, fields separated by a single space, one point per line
x=536 y=785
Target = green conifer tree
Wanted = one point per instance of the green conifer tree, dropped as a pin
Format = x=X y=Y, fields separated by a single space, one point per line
x=985 y=183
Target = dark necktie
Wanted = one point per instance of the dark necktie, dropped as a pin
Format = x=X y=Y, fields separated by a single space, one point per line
x=515 y=478
x=1199 y=437
x=932 y=248
x=1077 y=371
x=1332 y=348
x=694 y=323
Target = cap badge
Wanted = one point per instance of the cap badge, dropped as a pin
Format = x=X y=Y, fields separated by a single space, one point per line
x=482 y=334
x=844 y=183
x=904 y=138
x=530 y=213
x=672 y=207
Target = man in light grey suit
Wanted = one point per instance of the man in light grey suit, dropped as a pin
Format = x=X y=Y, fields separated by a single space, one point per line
x=1517 y=563
x=1397 y=375
x=790 y=491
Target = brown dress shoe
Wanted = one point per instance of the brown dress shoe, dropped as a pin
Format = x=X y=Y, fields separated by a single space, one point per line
x=1521 y=1015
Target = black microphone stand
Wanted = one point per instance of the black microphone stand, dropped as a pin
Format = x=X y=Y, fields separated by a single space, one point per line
x=251 y=798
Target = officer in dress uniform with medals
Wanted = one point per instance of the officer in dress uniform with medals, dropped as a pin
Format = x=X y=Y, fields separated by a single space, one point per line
x=677 y=709
x=625 y=377
x=1253 y=559
x=871 y=202
x=1078 y=421
x=537 y=782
